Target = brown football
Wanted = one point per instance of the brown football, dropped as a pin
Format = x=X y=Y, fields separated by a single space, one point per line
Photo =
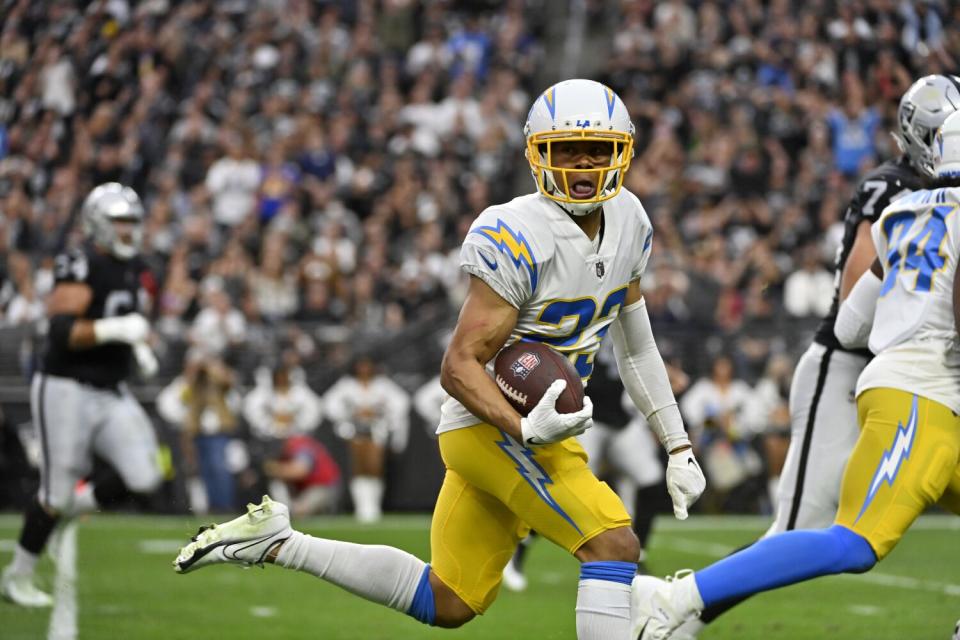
x=524 y=370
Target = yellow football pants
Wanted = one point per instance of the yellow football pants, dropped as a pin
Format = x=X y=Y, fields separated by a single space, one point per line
x=495 y=490
x=904 y=461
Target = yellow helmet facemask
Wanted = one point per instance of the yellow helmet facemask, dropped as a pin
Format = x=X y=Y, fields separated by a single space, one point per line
x=553 y=181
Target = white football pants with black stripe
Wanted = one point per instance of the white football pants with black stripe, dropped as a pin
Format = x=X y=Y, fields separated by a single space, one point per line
x=74 y=422
x=632 y=454
x=823 y=431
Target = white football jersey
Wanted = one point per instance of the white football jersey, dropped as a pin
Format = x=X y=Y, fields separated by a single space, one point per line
x=567 y=291
x=914 y=334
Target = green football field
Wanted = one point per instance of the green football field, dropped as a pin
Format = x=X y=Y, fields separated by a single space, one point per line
x=125 y=588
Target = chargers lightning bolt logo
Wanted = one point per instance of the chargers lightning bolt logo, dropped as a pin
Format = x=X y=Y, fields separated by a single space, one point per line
x=893 y=458
x=514 y=245
x=533 y=473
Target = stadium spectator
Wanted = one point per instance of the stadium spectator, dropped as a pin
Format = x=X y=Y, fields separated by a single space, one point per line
x=808 y=291
x=281 y=404
x=219 y=325
x=369 y=411
x=233 y=181
x=203 y=404
x=309 y=471
x=715 y=409
x=768 y=414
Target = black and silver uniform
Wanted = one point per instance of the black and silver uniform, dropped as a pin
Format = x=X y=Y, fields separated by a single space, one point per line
x=880 y=187
x=118 y=289
x=605 y=391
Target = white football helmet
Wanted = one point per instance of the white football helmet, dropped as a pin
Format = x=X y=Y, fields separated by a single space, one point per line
x=947 y=148
x=578 y=110
x=923 y=108
x=107 y=204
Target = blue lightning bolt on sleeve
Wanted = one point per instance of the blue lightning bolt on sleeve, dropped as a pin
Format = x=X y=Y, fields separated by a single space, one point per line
x=784 y=559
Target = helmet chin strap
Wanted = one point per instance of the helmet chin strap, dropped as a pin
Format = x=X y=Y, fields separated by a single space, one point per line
x=580 y=210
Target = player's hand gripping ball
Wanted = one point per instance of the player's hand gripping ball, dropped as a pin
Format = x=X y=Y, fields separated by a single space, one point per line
x=524 y=370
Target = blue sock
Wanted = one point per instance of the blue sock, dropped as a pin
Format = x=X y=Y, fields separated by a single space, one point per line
x=783 y=559
x=423 y=607
x=611 y=571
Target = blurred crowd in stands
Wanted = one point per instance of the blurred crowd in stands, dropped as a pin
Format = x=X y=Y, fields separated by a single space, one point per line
x=309 y=168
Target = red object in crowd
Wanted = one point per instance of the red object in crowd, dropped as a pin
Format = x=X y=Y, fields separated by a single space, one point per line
x=324 y=469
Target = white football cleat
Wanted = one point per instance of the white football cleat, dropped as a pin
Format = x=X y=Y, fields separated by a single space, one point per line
x=19 y=589
x=513 y=578
x=660 y=607
x=245 y=540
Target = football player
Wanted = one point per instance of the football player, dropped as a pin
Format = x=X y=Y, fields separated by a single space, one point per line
x=80 y=403
x=906 y=456
x=823 y=414
x=560 y=266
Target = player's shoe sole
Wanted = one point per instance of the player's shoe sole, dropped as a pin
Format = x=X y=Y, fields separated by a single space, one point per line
x=245 y=540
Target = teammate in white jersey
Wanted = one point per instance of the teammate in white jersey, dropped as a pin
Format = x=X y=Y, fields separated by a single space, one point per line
x=561 y=266
x=907 y=456
x=823 y=414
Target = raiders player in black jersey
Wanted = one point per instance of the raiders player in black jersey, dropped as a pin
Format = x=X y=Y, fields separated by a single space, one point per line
x=80 y=404
x=823 y=411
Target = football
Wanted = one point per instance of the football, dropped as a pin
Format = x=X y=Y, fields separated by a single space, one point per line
x=524 y=370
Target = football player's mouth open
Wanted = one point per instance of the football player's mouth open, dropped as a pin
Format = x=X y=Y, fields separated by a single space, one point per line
x=582 y=188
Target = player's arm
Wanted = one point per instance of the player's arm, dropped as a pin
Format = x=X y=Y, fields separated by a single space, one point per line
x=645 y=378
x=644 y=373
x=862 y=254
x=855 y=317
x=485 y=323
x=289 y=470
x=66 y=306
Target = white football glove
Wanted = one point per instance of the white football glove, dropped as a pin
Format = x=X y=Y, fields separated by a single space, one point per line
x=685 y=481
x=131 y=329
x=544 y=425
x=146 y=360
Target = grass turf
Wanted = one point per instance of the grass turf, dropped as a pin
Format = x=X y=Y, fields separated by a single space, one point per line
x=127 y=589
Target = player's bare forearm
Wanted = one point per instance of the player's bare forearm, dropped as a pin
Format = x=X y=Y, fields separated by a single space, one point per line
x=82 y=335
x=485 y=323
x=71 y=299
x=468 y=381
x=862 y=254
x=288 y=471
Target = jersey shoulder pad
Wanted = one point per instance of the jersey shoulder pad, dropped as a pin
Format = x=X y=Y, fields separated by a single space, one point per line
x=881 y=187
x=507 y=247
x=73 y=266
x=638 y=222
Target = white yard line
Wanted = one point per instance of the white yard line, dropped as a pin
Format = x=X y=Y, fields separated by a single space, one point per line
x=63 y=619
x=161 y=546
x=865 y=610
x=712 y=550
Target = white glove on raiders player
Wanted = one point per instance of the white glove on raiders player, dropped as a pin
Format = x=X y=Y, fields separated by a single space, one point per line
x=544 y=425
x=685 y=481
x=146 y=360
x=131 y=328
